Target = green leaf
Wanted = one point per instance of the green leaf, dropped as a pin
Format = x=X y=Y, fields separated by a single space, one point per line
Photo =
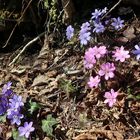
x=33 y=107
x=3 y=118
x=16 y=136
x=66 y=86
x=138 y=96
x=47 y=125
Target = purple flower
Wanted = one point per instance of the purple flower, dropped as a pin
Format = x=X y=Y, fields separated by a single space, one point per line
x=104 y=10
x=84 y=37
x=117 y=23
x=16 y=101
x=99 y=52
x=26 y=129
x=107 y=69
x=69 y=32
x=85 y=27
x=15 y=117
x=93 y=82
x=89 y=59
x=121 y=54
x=110 y=97
x=84 y=34
x=6 y=89
x=3 y=105
x=99 y=28
x=137 y=51
x=97 y=13
x=12 y=108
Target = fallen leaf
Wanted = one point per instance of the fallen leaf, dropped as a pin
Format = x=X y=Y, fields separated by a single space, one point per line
x=85 y=137
x=40 y=80
x=129 y=33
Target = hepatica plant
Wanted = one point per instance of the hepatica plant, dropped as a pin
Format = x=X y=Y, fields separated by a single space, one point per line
x=11 y=105
x=99 y=58
x=96 y=25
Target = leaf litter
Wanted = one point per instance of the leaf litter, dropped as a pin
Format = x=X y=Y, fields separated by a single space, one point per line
x=56 y=80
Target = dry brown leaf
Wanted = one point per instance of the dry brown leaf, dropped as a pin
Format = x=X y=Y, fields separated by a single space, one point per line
x=46 y=138
x=137 y=138
x=40 y=80
x=123 y=39
x=52 y=73
x=129 y=33
x=52 y=85
x=111 y=135
x=85 y=137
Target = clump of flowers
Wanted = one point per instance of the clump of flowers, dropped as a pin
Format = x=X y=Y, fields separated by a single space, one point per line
x=97 y=24
x=104 y=69
x=92 y=54
x=13 y=112
x=11 y=106
x=96 y=18
x=6 y=93
x=99 y=58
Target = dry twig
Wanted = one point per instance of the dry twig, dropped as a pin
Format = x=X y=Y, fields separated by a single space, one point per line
x=18 y=21
x=112 y=8
x=25 y=47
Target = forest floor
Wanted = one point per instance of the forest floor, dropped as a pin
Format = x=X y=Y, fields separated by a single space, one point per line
x=55 y=78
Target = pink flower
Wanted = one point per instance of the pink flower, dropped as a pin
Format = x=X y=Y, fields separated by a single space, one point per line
x=107 y=70
x=99 y=52
x=93 y=82
x=110 y=97
x=121 y=54
x=89 y=59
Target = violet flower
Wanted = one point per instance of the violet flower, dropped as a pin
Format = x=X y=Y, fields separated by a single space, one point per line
x=26 y=129
x=98 y=13
x=137 y=51
x=69 y=32
x=15 y=117
x=16 y=101
x=117 y=23
x=6 y=90
x=99 y=52
x=89 y=59
x=107 y=70
x=3 y=105
x=93 y=82
x=110 y=97
x=120 y=54
x=84 y=35
x=85 y=27
x=99 y=28
x=13 y=108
